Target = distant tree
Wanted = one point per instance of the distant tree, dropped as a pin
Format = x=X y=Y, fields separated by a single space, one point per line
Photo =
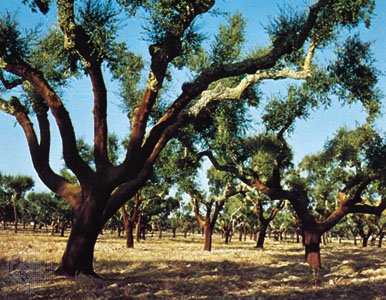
x=15 y=187
x=130 y=217
x=213 y=204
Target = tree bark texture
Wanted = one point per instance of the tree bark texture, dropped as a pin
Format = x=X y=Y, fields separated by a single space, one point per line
x=208 y=234
x=312 y=247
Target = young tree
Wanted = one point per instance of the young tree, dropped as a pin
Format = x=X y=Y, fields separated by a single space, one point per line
x=85 y=43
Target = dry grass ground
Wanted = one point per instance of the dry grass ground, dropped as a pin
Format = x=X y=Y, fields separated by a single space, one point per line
x=179 y=269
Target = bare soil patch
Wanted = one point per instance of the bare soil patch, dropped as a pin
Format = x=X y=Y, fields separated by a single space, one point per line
x=177 y=268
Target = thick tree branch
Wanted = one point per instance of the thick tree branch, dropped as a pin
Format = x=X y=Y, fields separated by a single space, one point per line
x=77 y=38
x=100 y=117
x=162 y=54
x=276 y=210
x=369 y=209
x=258 y=68
x=40 y=152
x=62 y=118
x=195 y=196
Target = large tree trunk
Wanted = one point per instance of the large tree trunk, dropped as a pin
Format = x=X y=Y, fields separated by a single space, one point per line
x=312 y=246
x=79 y=254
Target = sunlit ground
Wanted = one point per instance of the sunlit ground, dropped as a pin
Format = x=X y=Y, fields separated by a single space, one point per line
x=177 y=268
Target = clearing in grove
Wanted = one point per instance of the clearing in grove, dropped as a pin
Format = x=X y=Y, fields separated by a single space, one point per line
x=177 y=268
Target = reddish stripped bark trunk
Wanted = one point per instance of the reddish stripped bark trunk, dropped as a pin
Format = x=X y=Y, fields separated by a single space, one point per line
x=208 y=233
x=311 y=242
x=79 y=254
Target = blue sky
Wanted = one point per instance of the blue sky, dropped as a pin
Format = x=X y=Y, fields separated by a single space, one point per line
x=308 y=137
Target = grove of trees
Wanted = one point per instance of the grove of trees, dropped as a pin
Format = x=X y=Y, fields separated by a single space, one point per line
x=173 y=126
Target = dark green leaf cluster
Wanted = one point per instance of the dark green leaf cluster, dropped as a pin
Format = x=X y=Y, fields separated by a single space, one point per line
x=339 y=14
x=100 y=21
x=356 y=74
x=50 y=57
x=229 y=41
x=13 y=45
x=19 y=184
x=286 y=26
x=226 y=47
x=376 y=155
x=264 y=151
x=177 y=162
x=357 y=153
x=280 y=113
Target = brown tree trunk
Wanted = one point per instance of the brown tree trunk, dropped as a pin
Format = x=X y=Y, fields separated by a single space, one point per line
x=365 y=237
x=261 y=238
x=62 y=228
x=159 y=228
x=365 y=240
x=241 y=231
x=208 y=232
x=79 y=254
x=227 y=232
x=312 y=246
x=129 y=235
x=382 y=235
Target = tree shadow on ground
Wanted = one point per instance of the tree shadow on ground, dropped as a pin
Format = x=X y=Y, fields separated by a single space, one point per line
x=237 y=272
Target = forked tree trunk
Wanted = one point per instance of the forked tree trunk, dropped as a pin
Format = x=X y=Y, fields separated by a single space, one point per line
x=312 y=247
